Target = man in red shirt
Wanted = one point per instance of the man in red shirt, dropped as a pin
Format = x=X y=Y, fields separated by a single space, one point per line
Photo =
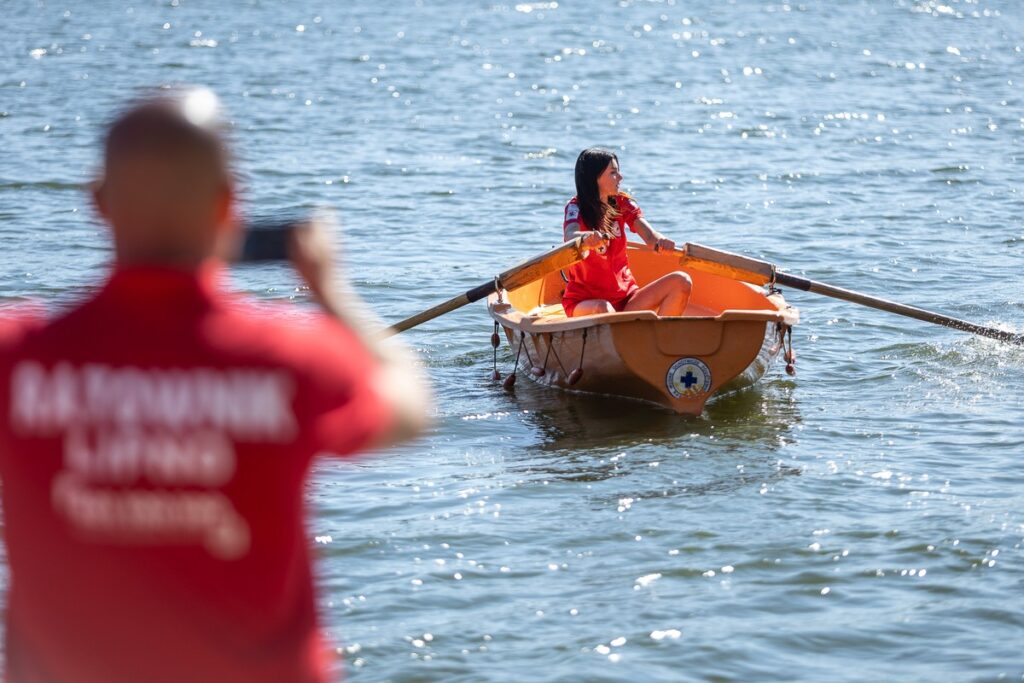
x=156 y=440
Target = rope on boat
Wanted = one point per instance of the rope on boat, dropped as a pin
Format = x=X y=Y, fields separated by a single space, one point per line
x=510 y=381
x=522 y=340
x=495 y=342
x=780 y=340
x=772 y=289
x=551 y=342
x=541 y=371
x=788 y=354
x=577 y=374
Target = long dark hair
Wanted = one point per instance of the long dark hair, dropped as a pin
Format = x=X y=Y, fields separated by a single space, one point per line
x=590 y=164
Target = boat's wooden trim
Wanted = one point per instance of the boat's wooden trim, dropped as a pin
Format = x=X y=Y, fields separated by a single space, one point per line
x=790 y=314
x=561 y=324
x=726 y=263
x=541 y=324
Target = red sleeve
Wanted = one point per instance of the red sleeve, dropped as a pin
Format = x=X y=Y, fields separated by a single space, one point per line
x=572 y=215
x=16 y=321
x=631 y=211
x=343 y=404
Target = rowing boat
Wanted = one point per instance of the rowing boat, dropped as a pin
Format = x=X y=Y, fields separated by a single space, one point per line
x=725 y=340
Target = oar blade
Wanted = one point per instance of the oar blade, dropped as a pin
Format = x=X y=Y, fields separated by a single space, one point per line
x=745 y=269
x=726 y=264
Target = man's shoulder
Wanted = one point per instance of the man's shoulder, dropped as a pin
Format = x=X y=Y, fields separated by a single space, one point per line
x=282 y=333
x=17 y=323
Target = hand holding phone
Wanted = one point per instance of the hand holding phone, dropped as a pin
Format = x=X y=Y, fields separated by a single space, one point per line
x=267 y=239
x=306 y=242
x=311 y=252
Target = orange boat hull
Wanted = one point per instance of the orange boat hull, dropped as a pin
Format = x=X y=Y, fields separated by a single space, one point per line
x=726 y=339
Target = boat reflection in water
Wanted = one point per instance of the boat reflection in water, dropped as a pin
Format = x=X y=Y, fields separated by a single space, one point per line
x=736 y=443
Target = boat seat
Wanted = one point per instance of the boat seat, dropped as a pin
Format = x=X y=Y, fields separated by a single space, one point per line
x=547 y=311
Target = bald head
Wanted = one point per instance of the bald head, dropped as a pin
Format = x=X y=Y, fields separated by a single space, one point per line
x=166 y=189
x=171 y=122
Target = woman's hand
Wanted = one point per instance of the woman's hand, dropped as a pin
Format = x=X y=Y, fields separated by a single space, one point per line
x=594 y=239
x=664 y=244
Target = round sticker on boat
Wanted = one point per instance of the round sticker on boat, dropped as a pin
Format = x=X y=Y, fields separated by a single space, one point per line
x=688 y=377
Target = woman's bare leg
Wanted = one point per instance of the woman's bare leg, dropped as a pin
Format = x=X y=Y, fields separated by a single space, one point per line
x=665 y=296
x=592 y=307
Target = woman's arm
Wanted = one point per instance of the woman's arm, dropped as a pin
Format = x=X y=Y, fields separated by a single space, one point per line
x=651 y=237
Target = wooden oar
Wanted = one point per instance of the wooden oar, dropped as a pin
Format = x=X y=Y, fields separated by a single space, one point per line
x=746 y=269
x=513 y=278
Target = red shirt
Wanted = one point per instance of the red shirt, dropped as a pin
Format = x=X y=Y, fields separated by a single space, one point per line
x=604 y=273
x=154 y=447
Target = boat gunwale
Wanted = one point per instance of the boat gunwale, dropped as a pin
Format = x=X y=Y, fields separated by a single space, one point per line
x=504 y=311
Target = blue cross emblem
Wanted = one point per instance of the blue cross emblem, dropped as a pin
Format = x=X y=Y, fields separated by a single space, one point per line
x=688 y=378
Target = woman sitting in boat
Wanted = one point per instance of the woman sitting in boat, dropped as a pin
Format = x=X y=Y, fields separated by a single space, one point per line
x=599 y=213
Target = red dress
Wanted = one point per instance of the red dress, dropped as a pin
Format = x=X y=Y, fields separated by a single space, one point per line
x=154 y=450
x=604 y=273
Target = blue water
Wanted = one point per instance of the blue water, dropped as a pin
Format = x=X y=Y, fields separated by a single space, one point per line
x=862 y=521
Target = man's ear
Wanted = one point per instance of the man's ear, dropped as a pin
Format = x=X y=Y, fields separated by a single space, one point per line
x=227 y=240
x=225 y=207
x=98 y=198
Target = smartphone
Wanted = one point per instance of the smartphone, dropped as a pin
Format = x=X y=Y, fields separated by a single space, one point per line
x=266 y=239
